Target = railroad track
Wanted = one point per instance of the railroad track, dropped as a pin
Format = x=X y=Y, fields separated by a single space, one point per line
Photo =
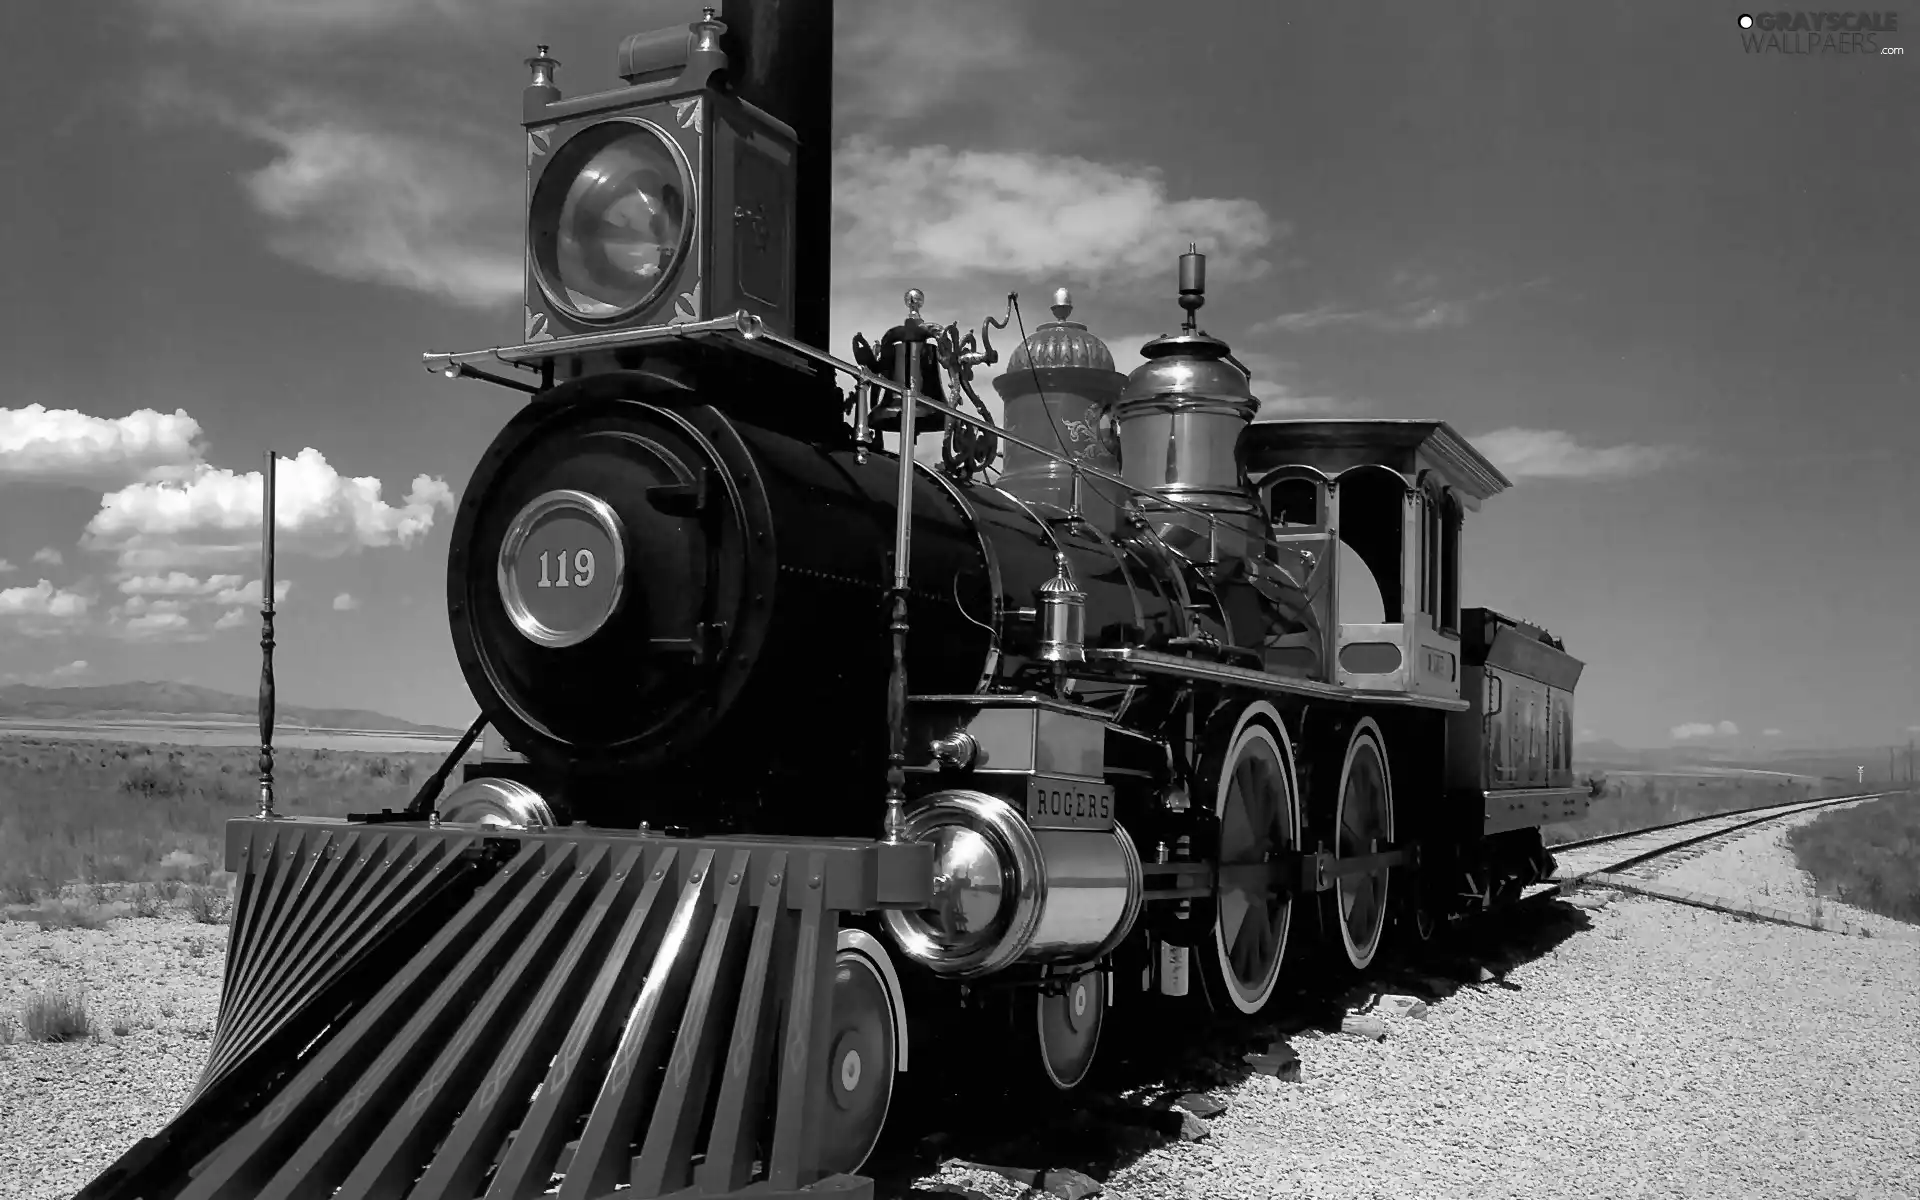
x=1621 y=853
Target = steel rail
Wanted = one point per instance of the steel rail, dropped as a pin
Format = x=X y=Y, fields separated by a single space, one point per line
x=1731 y=812
x=1769 y=812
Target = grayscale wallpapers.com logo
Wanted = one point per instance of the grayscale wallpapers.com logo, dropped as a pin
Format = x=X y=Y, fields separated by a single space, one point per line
x=1819 y=33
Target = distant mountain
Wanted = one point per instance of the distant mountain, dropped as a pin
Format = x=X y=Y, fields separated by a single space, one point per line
x=1605 y=752
x=164 y=701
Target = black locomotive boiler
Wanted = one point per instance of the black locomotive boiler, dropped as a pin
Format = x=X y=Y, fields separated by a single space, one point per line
x=797 y=751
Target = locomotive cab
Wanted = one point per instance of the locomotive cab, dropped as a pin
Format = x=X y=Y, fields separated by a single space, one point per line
x=1392 y=494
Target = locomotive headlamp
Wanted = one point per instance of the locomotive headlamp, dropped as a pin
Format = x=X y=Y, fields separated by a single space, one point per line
x=611 y=219
x=562 y=567
x=665 y=201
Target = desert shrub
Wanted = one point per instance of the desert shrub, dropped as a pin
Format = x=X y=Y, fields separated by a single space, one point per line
x=1867 y=855
x=56 y=1016
x=151 y=780
x=201 y=904
x=147 y=901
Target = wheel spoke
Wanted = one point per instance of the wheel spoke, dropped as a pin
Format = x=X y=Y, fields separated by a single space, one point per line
x=1365 y=907
x=1362 y=824
x=1255 y=821
x=1233 y=913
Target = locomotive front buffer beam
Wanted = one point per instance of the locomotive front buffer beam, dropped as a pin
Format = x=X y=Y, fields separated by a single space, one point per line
x=1297 y=873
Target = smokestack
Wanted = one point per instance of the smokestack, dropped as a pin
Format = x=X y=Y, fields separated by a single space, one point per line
x=782 y=56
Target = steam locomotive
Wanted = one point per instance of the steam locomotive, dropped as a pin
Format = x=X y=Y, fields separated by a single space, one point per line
x=1071 y=715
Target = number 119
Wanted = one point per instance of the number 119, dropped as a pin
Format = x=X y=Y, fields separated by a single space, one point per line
x=582 y=569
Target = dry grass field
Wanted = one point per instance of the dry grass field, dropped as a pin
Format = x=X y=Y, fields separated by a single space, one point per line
x=101 y=814
x=1638 y=799
x=1866 y=855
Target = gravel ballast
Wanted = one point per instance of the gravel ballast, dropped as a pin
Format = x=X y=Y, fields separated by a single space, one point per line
x=1666 y=1051
x=1758 y=867
x=68 y=1109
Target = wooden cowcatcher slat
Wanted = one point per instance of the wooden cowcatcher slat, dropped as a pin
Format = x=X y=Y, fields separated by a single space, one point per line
x=429 y=1012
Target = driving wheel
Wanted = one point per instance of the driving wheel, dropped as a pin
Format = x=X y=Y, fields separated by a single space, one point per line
x=1363 y=825
x=1252 y=784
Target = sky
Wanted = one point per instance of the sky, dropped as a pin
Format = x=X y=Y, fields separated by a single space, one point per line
x=1665 y=280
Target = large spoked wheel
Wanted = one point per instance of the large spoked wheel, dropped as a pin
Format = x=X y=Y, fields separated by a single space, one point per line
x=1068 y=1028
x=1363 y=823
x=1254 y=802
x=863 y=1054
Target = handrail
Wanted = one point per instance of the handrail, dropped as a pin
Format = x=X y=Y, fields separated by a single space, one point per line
x=749 y=327
x=761 y=333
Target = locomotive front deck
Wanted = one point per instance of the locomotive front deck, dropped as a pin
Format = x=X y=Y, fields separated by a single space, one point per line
x=458 y=1010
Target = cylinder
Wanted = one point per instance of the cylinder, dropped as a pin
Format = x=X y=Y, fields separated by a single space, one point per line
x=1006 y=894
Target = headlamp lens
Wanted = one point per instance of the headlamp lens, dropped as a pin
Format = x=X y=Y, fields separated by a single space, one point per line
x=610 y=219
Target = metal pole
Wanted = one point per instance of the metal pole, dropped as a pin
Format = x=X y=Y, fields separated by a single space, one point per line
x=266 y=812
x=906 y=356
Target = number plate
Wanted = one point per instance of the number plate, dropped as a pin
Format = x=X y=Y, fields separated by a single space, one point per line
x=561 y=567
x=1064 y=804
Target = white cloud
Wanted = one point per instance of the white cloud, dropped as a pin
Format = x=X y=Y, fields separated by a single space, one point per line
x=1418 y=308
x=1424 y=315
x=41 y=600
x=42 y=610
x=1556 y=454
x=63 y=445
x=345 y=602
x=174 y=607
x=937 y=213
x=211 y=515
x=6 y=566
x=250 y=594
x=1770 y=733
x=53 y=677
x=382 y=206
x=164 y=625
x=1704 y=729
x=179 y=583
x=48 y=556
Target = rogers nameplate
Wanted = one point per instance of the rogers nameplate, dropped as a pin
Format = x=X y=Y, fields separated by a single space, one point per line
x=1062 y=804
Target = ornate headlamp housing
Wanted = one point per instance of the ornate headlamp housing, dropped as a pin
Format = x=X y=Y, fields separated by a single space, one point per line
x=670 y=199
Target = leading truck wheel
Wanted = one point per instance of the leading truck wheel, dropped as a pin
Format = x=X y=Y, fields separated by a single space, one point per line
x=863 y=1052
x=1250 y=772
x=1363 y=823
x=1068 y=1026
